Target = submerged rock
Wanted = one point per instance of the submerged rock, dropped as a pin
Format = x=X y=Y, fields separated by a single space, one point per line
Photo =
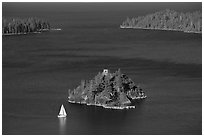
x=110 y=90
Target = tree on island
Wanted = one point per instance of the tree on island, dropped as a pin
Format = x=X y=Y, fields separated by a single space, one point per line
x=17 y=25
x=107 y=89
x=167 y=20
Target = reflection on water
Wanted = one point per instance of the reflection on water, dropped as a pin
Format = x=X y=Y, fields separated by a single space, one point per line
x=62 y=126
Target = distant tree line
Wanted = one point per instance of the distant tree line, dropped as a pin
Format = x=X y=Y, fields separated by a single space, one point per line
x=167 y=20
x=17 y=25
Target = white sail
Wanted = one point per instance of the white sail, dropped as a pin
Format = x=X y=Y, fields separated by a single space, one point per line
x=62 y=111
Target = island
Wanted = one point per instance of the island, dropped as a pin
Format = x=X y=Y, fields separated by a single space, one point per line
x=167 y=20
x=109 y=90
x=17 y=26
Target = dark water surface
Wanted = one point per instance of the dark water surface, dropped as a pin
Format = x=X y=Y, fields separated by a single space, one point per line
x=38 y=70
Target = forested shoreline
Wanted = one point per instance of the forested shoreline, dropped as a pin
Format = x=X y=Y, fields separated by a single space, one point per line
x=12 y=26
x=167 y=20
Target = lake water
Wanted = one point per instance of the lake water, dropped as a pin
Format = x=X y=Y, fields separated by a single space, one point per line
x=38 y=70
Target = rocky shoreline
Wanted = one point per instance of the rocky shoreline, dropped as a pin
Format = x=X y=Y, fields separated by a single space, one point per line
x=124 y=27
x=38 y=31
x=102 y=105
x=25 y=33
x=105 y=106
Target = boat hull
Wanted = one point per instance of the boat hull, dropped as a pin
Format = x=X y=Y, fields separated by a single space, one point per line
x=61 y=116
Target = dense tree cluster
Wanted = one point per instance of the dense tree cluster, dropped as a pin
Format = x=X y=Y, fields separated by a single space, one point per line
x=112 y=89
x=167 y=20
x=18 y=26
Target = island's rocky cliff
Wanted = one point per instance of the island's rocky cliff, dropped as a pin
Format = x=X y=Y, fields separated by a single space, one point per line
x=110 y=90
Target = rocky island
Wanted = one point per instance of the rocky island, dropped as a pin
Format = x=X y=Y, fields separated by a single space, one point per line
x=17 y=26
x=109 y=90
x=167 y=20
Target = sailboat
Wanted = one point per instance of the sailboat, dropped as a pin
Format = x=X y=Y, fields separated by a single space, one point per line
x=62 y=112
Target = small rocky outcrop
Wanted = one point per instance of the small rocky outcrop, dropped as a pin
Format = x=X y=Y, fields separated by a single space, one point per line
x=110 y=90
